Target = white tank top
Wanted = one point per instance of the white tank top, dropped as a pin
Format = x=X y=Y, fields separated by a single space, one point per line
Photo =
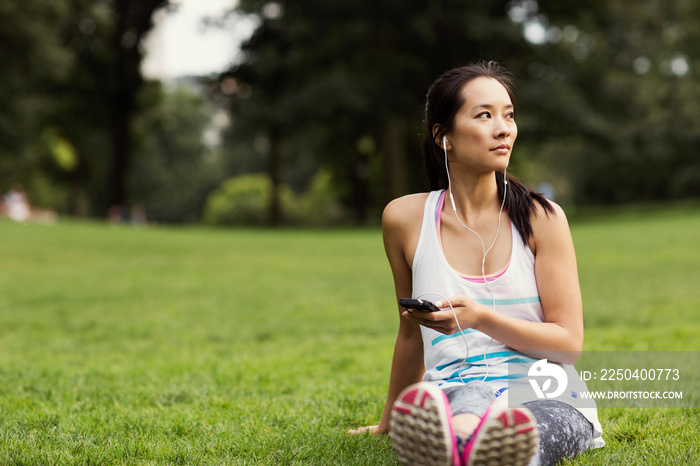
x=447 y=359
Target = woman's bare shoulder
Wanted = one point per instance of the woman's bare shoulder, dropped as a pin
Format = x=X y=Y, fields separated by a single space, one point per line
x=405 y=209
x=548 y=225
x=542 y=217
x=401 y=226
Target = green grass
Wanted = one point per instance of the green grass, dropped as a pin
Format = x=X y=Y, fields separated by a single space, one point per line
x=196 y=346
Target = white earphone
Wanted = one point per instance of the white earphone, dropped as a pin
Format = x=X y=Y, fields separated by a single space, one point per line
x=483 y=248
x=444 y=147
x=449 y=182
x=498 y=228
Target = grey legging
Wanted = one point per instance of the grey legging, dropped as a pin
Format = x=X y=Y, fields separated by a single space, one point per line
x=564 y=431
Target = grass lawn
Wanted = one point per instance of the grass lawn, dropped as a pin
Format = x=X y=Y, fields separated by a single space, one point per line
x=198 y=346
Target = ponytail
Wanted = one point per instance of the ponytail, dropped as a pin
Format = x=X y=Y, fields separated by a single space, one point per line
x=521 y=204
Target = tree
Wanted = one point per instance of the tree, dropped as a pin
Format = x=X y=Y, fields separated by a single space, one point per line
x=32 y=59
x=615 y=86
x=350 y=76
x=132 y=20
x=71 y=70
x=174 y=170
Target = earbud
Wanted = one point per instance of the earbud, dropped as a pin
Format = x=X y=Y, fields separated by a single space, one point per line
x=449 y=185
x=483 y=247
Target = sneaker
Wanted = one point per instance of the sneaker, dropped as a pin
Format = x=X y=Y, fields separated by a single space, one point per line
x=504 y=436
x=421 y=427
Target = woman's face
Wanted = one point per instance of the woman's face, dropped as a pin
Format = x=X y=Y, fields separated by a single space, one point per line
x=484 y=130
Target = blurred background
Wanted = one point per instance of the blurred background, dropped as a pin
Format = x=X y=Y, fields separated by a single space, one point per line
x=309 y=112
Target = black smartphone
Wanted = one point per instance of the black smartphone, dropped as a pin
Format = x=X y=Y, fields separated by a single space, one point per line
x=418 y=304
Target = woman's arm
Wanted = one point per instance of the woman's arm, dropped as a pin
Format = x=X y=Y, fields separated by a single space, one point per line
x=560 y=336
x=400 y=235
x=406 y=369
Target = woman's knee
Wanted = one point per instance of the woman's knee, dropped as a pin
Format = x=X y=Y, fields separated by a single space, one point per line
x=564 y=431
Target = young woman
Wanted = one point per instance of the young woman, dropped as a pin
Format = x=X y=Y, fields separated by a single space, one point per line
x=499 y=263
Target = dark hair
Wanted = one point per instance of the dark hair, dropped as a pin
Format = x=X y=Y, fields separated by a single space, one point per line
x=442 y=103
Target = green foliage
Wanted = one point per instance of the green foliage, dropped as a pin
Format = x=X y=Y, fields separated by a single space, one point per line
x=243 y=201
x=614 y=87
x=65 y=71
x=319 y=206
x=61 y=149
x=173 y=169
x=32 y=58
x=364 y=81
x=609 y=91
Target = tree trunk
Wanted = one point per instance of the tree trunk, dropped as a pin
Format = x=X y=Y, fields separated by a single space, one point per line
x=132 y=21
x=360 y=187
x=274 y=172
x=77 y=206
x=122 y=109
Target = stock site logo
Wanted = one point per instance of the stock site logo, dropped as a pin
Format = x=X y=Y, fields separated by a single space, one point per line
x=547 y=371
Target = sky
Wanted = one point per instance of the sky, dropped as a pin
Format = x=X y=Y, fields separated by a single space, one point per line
x=180 y=45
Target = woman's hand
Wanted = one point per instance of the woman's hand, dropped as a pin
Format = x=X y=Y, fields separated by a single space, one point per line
x=366 y=430
x=467 y=311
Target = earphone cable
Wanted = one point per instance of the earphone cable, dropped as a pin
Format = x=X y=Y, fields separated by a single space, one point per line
x=483 y=259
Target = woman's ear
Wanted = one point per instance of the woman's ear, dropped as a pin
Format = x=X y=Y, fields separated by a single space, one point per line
x=439 y=138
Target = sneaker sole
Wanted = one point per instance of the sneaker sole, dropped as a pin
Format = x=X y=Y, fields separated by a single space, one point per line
x=510 y=437
x=420 y=428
